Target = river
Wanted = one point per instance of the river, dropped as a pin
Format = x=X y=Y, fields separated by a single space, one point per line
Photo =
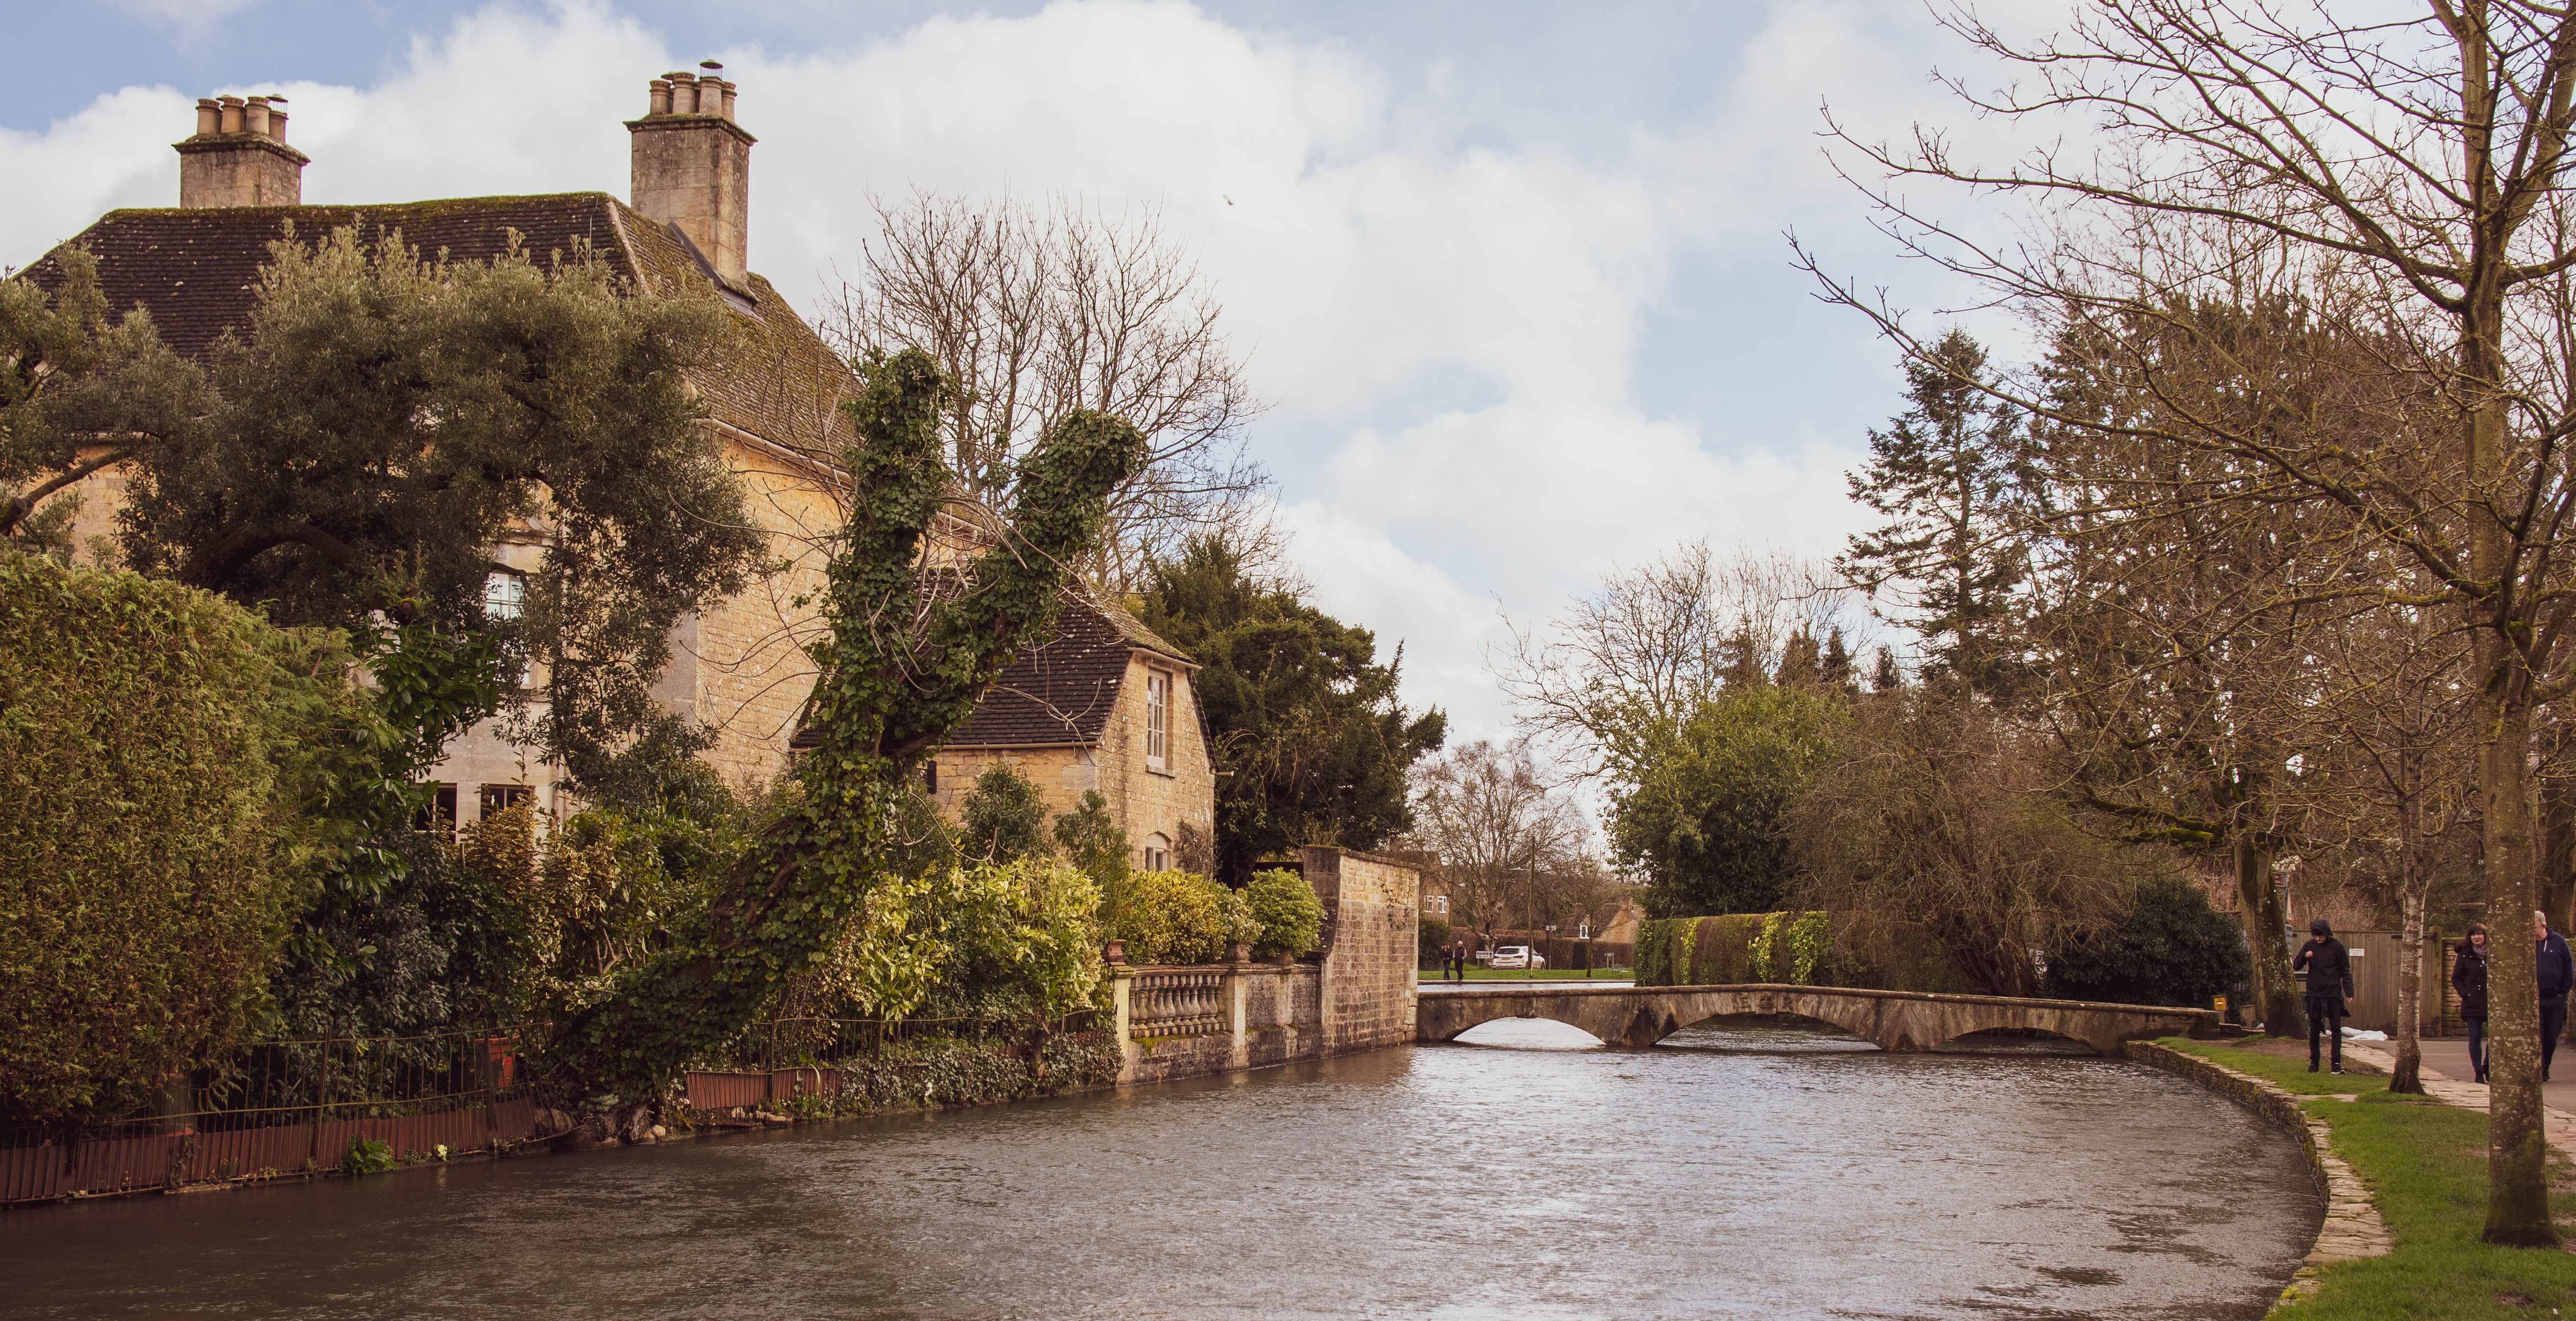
x=1746 y=1171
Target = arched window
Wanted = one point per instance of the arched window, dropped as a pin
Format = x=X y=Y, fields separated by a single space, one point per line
x=1158 y=852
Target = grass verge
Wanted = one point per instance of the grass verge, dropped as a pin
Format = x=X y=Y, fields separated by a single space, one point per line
x=2426 y=1166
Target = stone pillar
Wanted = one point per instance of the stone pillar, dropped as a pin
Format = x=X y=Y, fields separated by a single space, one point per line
x=1122 y=1014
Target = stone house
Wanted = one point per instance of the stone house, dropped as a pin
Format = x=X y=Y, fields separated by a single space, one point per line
x=1109 y=706
x=774 y=406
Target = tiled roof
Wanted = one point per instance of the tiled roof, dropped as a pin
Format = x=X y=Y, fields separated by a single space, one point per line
x=196 y=271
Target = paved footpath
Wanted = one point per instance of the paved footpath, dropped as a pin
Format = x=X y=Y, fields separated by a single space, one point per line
x=2442 y=1087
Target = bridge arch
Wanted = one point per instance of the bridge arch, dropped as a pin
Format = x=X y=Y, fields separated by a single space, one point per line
x=1893 y=1020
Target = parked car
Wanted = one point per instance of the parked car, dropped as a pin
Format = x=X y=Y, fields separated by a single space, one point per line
x=1517 y=956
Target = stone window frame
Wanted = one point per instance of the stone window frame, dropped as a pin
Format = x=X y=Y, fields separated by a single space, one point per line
x=1158 y=720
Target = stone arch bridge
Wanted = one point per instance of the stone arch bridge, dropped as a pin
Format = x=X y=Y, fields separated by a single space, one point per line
x=1895 y=1020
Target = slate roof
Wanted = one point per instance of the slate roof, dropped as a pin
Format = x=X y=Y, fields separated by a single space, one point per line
x=1062 y=690
x=196 y=270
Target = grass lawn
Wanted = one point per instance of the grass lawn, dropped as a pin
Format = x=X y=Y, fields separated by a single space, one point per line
x=2426 y=1164
x=1533 y=974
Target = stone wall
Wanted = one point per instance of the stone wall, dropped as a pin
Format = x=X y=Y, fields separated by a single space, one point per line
x=1371 y=936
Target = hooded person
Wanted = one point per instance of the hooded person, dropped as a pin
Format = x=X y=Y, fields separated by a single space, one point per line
x=2469 y=981
x=2556 y=976
x=2328 y=966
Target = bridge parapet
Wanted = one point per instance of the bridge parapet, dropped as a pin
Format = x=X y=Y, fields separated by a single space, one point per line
x=1894 y=1020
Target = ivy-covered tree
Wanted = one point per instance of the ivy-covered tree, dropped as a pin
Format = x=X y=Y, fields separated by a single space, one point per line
x=909 y=650
x=1304 y=722
x=1948 y=477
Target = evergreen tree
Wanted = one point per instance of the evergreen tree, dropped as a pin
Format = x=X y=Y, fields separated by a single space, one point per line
x=1003 y=818
x=1948 y=476
x=1302 y=718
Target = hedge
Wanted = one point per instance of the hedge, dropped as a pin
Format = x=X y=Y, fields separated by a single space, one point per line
x=1796 y=949
x=155 y=744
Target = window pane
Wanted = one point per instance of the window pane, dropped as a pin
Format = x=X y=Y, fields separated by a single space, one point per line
x=505 y=594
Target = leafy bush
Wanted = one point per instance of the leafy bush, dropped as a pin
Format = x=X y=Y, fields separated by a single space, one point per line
x=1013 y=941
x=1181 y=917
x=1798 y=949
x=155 y=745
x=1291 y=917
x=368 y=1156
x=1090 y=839
x=1003 y=817
x=2170 y=948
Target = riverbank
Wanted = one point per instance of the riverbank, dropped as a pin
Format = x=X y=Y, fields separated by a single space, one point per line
x=2425 y=1164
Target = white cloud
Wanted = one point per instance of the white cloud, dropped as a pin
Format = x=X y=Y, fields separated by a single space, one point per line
x=1367 y=249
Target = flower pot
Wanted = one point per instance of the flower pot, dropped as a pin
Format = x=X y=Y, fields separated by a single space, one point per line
x=1116 y=952
x=1239 y=952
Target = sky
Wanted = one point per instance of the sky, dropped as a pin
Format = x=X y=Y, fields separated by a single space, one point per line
x=1511 y=277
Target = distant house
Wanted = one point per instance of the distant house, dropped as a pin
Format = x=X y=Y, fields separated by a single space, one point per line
x=775 y=407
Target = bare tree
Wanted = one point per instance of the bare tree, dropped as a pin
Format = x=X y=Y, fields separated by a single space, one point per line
x=1038 y=311
x=1503 y=835
x=2422 y=161
x=1657 y=641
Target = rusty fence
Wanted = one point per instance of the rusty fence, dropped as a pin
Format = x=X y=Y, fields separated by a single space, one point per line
x=279 y=1107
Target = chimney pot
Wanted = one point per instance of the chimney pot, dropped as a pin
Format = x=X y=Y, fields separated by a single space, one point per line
x=239 y=156
x=692 y=169
x=659 y=101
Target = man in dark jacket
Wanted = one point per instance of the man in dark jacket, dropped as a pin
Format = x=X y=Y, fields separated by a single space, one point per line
x=2329 y=968
x=2557 y=976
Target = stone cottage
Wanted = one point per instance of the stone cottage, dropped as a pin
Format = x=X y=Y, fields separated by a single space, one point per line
x=1129 y=728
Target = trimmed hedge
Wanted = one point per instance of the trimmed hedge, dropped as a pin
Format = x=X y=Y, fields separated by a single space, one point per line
x=156 y=743
x=1182 y=917
x=1795 y=949
x=1291 y=917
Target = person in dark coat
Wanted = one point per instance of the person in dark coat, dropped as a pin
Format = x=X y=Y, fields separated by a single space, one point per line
x=2329 y=968
x=2557 y=976
x=2469 y=980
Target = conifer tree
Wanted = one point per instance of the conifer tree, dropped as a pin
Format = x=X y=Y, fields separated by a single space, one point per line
x=1947 y=475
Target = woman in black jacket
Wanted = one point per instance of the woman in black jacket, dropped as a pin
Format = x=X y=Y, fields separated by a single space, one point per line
x=2469 y=978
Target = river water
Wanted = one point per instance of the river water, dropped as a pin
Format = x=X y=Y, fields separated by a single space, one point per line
x=1747 y=1171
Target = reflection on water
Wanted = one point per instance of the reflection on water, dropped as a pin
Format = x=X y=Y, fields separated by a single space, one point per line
x=1745 y=1171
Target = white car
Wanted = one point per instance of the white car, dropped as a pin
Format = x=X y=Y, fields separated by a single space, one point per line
x=1517 y=956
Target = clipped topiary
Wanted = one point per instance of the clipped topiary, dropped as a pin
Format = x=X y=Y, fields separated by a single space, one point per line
x=1291 y=917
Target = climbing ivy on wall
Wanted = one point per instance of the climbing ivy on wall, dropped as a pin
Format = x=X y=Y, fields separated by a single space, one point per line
x=909 y=650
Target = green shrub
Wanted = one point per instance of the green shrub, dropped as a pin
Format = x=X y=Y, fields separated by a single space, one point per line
x=1291 y=917
x=1177 y=917
x=2170 y=948
x=155 y=745
x=368 y=1156
x=1003 y=818
x=1798 y=949
x=1433 y=939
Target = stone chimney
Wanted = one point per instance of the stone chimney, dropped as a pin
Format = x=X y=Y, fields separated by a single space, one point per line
x=239 y=156
x=693 y=166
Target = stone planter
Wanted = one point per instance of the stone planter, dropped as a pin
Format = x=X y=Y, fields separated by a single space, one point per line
x=1115 y=952
x=1284 y=959
x=1239 y=952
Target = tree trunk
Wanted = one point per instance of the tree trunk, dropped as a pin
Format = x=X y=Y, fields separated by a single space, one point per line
x=2517 y=1144
x=2408 y=1075
x=2276 y=991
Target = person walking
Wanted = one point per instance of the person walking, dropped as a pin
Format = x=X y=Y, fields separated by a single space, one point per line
x=2557 y=976
x=2329 y=968
x=1457 y=969
x=2469 y=980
